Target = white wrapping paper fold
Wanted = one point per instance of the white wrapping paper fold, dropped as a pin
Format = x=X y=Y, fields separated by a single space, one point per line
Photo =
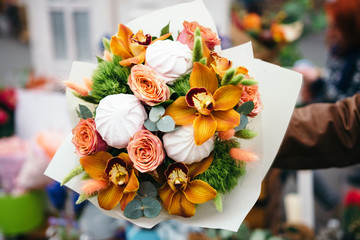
x=279 y=88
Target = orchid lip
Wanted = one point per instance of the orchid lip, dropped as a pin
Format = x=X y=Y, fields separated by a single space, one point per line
x=116 y=171
x=177 y=176
x=146 y=42
x=200 y=99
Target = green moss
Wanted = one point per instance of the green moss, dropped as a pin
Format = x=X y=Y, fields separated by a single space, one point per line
x=108 y=79
x=224 y=173
x=182 y=85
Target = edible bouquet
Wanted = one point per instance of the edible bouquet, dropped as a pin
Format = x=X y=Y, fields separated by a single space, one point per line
x=168 y=127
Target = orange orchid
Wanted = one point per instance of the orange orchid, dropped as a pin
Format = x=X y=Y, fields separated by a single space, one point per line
x=122 y=183
x=130 y=47
x=181 y=192
x=220 y=64
x=206 y=106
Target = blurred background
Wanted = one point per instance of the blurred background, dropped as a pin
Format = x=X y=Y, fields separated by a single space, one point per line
x=39 y=40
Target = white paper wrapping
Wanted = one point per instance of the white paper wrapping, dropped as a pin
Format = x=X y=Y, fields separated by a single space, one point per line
x=279 y=88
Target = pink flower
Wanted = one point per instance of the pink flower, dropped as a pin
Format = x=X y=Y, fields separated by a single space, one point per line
x=8 y=98
x=4 y=117
x=251 y=93
x=86 y=139
x=187 y=35
x=147 y=86
x=145 y=151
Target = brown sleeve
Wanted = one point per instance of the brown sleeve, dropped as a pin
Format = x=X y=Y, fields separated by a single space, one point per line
x=322 y=135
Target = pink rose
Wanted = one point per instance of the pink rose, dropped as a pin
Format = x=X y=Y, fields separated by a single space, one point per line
x=251 y=93
x=4 y=117
x=187 y=35
x=145 y=151
x=86 y=139
x=147 y=86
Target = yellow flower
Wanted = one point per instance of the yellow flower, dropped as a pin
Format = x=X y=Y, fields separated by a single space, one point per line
x=130 y=47
x=122 y=183
x=181 y=192
x=206 y=106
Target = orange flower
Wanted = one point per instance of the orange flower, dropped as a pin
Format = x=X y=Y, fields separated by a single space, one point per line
x=252 y=21
x=122 y=183
x=278 y=32
x=181 y=192
x=206 y=106
x=220 y=64
x=131 y=47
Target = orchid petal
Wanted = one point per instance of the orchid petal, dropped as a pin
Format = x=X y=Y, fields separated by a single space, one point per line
x=199 y=192
x=133 y=183
x=133 y=60
x=127 y=197
x=181 y=206
x=166 y=195
x=226 y=119
x=202 y=76
x=226 y=97
x=110 y=197
x=204 y=128
x=95 y=165
x=163 y=37
x=181 y=112
x=119 y=47
x=199 y=167
x=125 y=157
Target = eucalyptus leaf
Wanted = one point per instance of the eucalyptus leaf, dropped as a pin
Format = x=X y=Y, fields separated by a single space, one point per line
x=85 y=112
x=166 y=124
x=147 y=189
x=246 y=108
x=134 y=209
x=152 y=207
x=151 y=126
x=243 y=122
x=156 y=113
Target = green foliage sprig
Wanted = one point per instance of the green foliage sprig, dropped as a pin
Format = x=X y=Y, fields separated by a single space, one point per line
x=224 y=173
x=109 y=78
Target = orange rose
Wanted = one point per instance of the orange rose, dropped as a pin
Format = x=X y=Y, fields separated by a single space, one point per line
x=187 y=35
x=251 y=93
x=146 y=151
x=147 y=86
x=86 y=139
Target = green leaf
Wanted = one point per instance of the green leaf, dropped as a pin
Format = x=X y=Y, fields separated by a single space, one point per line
x=248 y=82
x=246 y=108
x=150 y=125
x=156 y=113
x=243 y=122
x=166 y=30
x=99 y=59
x=85 y=112
x=147 y=189
x=229 y=74
x=165 y=103
x=134 y=209
x=245 y=134
x=106 y=43
x=166 y=124
x=152 y=207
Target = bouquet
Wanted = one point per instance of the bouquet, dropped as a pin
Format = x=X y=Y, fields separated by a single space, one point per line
x=166 y=125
